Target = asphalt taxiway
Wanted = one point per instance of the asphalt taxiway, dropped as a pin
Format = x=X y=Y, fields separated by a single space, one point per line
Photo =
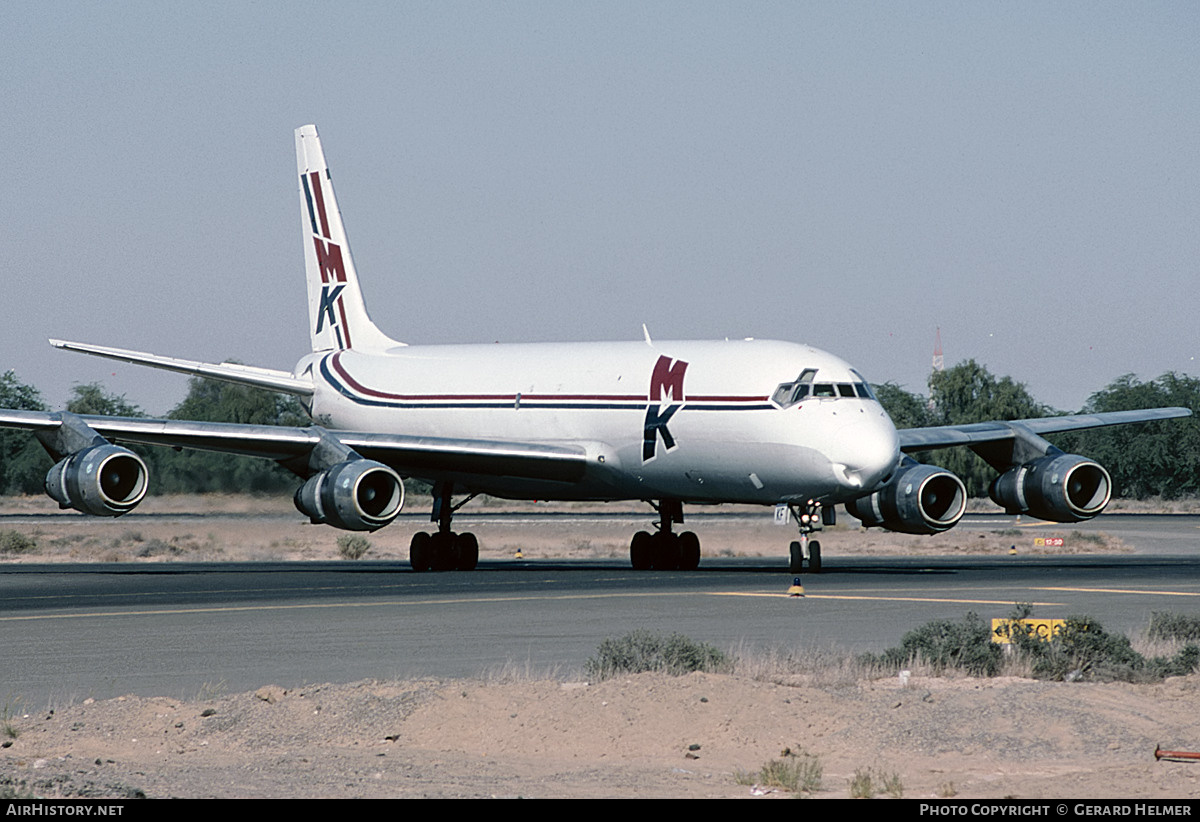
x=68 y=632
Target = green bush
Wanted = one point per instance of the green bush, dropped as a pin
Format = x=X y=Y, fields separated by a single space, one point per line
x=944 y=644
x=641 y=651
x=1083 y=650
x=1170 y=626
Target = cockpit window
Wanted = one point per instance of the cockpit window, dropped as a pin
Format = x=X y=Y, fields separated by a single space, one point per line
x=791 y=393
x=862 y=386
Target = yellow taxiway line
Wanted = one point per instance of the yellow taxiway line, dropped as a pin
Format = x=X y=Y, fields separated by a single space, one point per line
x=1120 y=591
x=876 y=598
x=562 y=597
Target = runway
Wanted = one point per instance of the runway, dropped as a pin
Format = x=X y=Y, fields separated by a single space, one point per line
x=68 y=632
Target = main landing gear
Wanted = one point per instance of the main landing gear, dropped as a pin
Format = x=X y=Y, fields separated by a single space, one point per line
x=665 y=550
x=810 y=516
x=444 y=550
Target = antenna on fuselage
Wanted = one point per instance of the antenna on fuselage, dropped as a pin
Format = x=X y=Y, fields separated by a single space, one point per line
x=646 y=332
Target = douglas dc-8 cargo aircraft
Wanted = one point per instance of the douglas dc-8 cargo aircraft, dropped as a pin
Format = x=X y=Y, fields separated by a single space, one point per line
x=748 y=421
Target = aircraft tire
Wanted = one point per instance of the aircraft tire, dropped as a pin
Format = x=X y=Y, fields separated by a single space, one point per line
x=665 y=551
x=420 y=552
x=640 y=551
x=468 y=551
x=796 y=563
x=814 y=557
x=689 y=551
x=445 y=553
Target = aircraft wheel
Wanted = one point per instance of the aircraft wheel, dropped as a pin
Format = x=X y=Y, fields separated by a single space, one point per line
x=796 y=563
x=420 y=552
x=689 y=551
x=445 y=555
x=468 y=552
x=639 y=551
x=814 y=557
x=665 y=551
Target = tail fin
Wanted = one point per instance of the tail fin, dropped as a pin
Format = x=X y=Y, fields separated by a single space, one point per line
x=337 y=314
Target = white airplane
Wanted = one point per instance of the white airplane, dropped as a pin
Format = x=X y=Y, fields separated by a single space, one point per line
x=747 y=421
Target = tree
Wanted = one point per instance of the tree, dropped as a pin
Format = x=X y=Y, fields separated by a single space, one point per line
x=906 y=409
x=93 y=399
x=23 y=461
x=1150 y=459
x=968 y=393
x=216 y=401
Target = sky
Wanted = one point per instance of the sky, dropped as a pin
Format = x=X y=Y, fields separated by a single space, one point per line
x=1024 y=176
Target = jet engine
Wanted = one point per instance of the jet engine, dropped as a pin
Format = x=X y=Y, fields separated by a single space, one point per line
x=355 y=495
x=103 y=480
x=920 y=499
x=1058 y=487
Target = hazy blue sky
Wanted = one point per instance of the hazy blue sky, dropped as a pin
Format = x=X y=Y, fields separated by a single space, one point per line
x=851 y=175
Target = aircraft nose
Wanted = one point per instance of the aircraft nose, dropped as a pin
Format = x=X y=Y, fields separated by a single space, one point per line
x=865 y=451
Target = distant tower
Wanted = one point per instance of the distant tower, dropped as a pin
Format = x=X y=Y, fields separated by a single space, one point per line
x=938 y=366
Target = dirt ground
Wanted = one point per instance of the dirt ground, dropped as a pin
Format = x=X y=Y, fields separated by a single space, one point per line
x=638 y=736
x=513 y=734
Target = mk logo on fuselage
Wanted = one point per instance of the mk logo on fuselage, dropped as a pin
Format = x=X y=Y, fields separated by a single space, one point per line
x=329 y=263
x=664 y=399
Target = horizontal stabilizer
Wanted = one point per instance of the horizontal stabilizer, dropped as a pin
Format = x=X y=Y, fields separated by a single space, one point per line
x=267 y=378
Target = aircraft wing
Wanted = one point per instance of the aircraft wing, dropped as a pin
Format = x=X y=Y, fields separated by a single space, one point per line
x=409 y=455
x=948 y=436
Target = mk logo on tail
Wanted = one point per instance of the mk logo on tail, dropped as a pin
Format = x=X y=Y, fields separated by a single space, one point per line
x=329 y=261
x=666 y=389
x=329 y=298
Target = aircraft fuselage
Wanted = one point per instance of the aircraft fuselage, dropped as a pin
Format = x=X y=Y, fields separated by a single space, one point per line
x=698 y=421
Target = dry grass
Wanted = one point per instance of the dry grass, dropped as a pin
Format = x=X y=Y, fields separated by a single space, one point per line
x=817 y=667
x=795 y=770
x=513 y=671
x=353 y=546
x=868 y=783
x=1156 y=505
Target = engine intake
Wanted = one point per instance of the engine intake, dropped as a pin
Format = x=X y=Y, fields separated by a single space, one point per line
x=355 y=495
x=921 y=499
x=1058 y=488
x=103 y=480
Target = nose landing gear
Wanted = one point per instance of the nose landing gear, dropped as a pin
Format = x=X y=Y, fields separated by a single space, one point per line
x=811 y=517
